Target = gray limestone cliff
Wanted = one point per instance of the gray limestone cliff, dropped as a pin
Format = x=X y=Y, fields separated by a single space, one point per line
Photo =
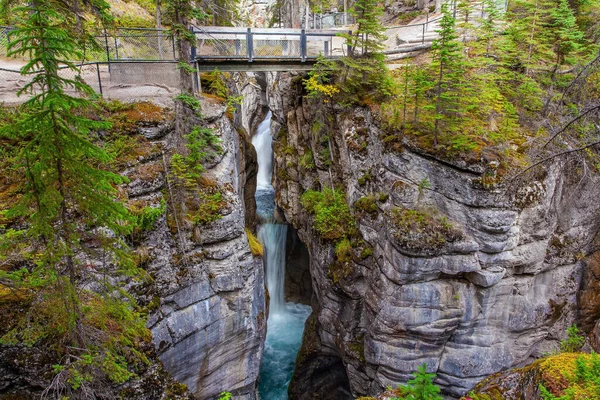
x=496 y=296
x=208 y=322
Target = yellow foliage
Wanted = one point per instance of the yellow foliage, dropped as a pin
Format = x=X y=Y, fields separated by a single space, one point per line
x=9 y=295
x=256 y=246
x=313 y=86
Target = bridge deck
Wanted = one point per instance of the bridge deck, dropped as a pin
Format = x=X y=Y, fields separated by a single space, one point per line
x=267 y=44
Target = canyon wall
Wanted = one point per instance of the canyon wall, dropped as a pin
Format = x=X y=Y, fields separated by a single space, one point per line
x=209 y=325
x=497 y=295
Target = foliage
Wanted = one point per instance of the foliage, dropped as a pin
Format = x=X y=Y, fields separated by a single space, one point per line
x=319 y=82
x=332 y=217
x=367 y=204
x=421 y=387
x=71 y=212
x=189 y=100
x=419 y=230
x=307 y=161
x=144 y=218
x=574 y=341
x=217 y=84
x=583 y=381
x=202 y=198
x=343 y=250
x=225 y=396
x=256 y=246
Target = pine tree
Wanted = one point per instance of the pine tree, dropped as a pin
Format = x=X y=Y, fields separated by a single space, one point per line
x=67 y=196
x=448 y=67
x=566 y=36
x=421 y=387
x=177 y=14
x=365 y=70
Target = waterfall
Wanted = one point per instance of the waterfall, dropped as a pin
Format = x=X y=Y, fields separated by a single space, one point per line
x=263 y=143
x=286 y=320
x=271 y=234
x=273 y=238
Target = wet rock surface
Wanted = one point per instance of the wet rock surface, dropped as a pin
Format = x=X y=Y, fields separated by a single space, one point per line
x=209 y=326
x=501 y=295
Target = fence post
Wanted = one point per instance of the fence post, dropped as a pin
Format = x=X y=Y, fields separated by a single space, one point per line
x=423 y=37
x=348 y=45
x=106 y=44
x=174 y=52
x=116 y=48
x=303 y=45
x=249 y=45
x=99 y=78
x=326 y=48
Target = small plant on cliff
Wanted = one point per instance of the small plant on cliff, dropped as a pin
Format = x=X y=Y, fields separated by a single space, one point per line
x=420 y=230
x=256 y=246
x=574 y=341
x=332 y=217
x=421 y=387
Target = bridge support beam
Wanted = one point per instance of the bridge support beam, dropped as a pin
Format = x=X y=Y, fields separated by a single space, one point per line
x=255 y=66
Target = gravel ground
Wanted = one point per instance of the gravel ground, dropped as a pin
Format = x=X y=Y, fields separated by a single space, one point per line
x=12 y=82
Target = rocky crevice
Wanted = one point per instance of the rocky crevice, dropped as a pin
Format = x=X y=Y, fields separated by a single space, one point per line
x=501 y=295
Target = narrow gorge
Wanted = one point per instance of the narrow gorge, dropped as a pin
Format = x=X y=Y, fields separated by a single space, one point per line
x=308 y=201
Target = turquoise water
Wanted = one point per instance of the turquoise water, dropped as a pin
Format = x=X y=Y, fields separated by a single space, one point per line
x=284 y=337
x=286 y=320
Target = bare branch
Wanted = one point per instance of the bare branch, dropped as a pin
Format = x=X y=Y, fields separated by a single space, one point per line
x=587 y=146
x=571 y=122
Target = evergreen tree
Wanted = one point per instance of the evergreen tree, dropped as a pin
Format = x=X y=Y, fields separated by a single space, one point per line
x=177 y=14
x=566 y=36
x=448 y=66
x=421 y=387
x=365 y=70
x=67 y=197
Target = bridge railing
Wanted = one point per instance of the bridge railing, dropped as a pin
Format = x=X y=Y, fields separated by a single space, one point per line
x=230 y=43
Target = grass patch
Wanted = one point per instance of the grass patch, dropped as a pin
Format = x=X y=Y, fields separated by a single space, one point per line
x=422 y=231
x=332 y=217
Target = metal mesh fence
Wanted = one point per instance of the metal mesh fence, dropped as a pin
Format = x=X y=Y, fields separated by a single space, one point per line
x=124 y=81
x=119 y=44
x=226 y=48
x=276 y=48
x=138 y=44
x=4 y=30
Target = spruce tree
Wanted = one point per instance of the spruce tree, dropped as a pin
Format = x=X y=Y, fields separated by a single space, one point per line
x=566 y=36
x=421 y=387
x=448 y=67
x=365 y=73
x=68 y=197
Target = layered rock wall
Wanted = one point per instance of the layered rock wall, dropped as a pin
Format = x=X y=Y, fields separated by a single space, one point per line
x=497 y=297
x=209 y=322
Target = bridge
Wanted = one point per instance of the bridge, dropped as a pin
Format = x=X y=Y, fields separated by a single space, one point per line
x=264 y=49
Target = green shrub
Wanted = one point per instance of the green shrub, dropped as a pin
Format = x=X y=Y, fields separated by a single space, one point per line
x=307 y=161
x=367 y=204
x=583 y=378
x=422 y=231
x=421 y=387
x=343 y=250
x=332 y=217
x=366 y=252
x=574 y=341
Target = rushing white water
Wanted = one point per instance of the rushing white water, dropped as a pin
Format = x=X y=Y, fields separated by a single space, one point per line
x=263 y=142
x=273 y=237
x=284 y=337
x=286 y=320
